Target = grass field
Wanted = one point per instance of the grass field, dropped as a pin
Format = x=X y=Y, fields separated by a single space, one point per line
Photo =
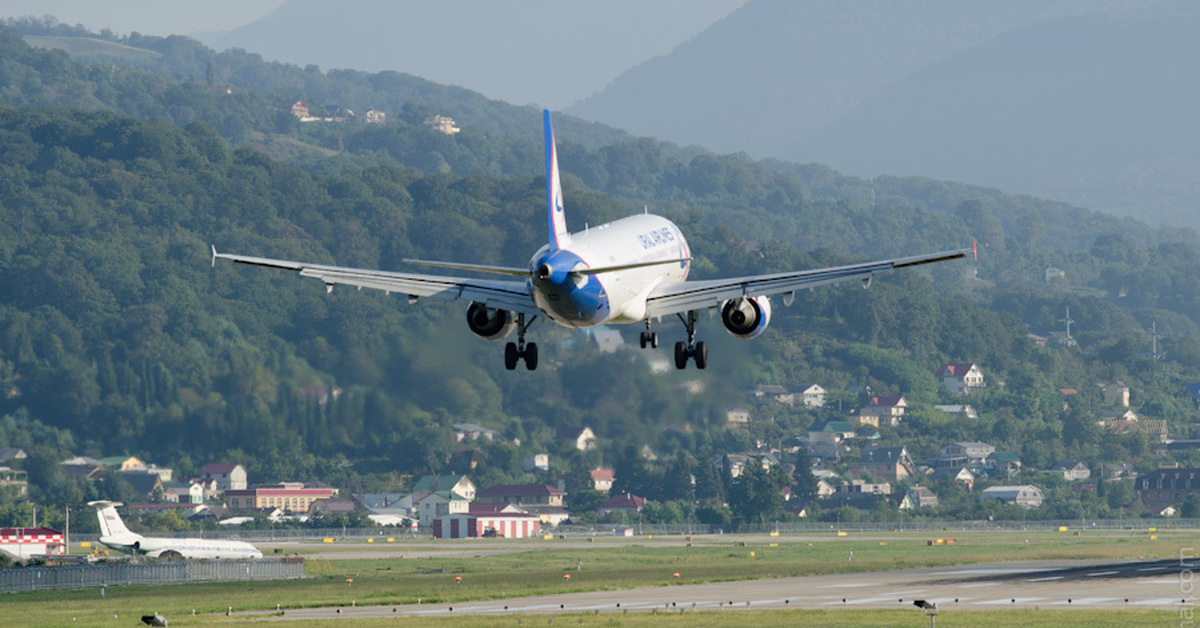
x=535 y=567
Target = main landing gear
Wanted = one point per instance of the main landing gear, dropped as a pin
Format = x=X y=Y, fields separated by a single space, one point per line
x=692 y=349
x=516 y=351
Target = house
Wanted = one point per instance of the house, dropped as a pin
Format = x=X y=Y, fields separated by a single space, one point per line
x=581 y=438
x=11 y=454
x=440 y=504
x=465 y=461
x=183 y=492
x=738 y=462
x=812 y=396
x=228 y=476
x=918 y=497
x=974 y=452
x=853 y=487
x=602 y=479
x=1110 y=418
x=824 y=442
x=375 y=116
x=891 y=463
x=960 y=378
x=543 y=500
x=737 y=417
x=1115 y=393
x=624 y=503
x=825 y=489
x=536 y=462
x=287 y=496
x=149 y=485
x=1025 y=496
x=334 y=506
x=883 y=411
x=123 y=463
x=463 y=431
x=772 y=392
x=961 y=476
x=442 y=124
x=958 y=409
x=301 y=111
x=15 y=478
x=1071 y=470
x=1004 y=461
x=460 y=484
x=1167 y=487
x=82 y=467
x=397 y=504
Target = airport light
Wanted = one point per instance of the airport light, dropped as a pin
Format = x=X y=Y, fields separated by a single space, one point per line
x=930 y=609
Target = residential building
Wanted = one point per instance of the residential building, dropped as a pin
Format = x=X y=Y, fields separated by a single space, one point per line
x=737 y=417
x=1071 y=470
x=864 y=487
x=625 y=503
x=1116 y=393
x=958 y=409
x=1167 y=487
x=543 y=500
x=183 y=492
x=228 y=476
x=440 y=504
x=602 y=479
x=536 y=462
x=287 y=496
x=14 y=478
x=82 y=467
x=974 y=452
x=773 y=392
x=487 y=520
x=148 y=485
x=1006 y=462
x=581 y=438
x=123 y=463
x=460 y=484
x=375 y=116
x=463 y=431
x=918 y=497
x=882 y=411
x=442 y=124
x=12 y=454
x=824 y=442
x=960 y=378
x=812 y=396
x=891 y=463
x=1025 y=496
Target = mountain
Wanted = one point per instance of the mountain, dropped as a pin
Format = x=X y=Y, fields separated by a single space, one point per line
x=543 y=51
x=1080 y=101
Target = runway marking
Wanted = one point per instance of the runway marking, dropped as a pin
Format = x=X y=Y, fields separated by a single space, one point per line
x=1020 y=600
x=1174 y=581
x=978 y=584
x=1158 y=601
x=1046 y=579
x=1160 y=568
x=988 y=571
x=1084 y=601
x=1097 y=574
x=848 y=585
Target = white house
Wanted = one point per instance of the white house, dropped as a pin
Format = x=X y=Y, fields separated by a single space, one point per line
x=812 y=396
x=229 y=477
x=1025 y=496
x=959 y=378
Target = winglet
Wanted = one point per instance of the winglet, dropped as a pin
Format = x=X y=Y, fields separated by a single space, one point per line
x=975 y=248
x=214 y=257
x=556 y=219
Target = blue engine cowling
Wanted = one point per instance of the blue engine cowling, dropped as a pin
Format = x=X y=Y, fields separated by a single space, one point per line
x=489 y=324
x=746 y=317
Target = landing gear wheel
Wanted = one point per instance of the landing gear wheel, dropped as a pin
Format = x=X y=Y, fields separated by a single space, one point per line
x=649 y=338
x=681 y=355
x=653 y=340
x=510 y=356
x=531 y=356
x=701 y=355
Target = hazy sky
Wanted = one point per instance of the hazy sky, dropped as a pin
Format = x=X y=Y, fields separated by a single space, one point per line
x=149 y=17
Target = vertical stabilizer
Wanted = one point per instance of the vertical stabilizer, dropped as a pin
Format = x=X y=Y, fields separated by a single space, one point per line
x=110 y=521
x=556 y=219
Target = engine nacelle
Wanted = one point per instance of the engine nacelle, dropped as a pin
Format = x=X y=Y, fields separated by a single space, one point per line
x=489 y=324
x=746 y=317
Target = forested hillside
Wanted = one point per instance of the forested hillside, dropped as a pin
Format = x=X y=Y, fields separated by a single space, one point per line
x=118 y=336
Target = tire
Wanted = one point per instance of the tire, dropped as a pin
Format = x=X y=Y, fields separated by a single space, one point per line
x=531 y=356
x=510 y=356
x=681 y=356
x=653 y=340
x=701 y=355
x=644 y=339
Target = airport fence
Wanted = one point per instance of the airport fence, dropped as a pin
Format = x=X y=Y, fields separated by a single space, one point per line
x=104 y=574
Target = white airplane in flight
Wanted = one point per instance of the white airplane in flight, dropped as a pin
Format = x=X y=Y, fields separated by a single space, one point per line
x=114 y=534
x=632 y=270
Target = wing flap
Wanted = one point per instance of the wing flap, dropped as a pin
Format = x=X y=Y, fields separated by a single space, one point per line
x=508 y=295
x=678 y=297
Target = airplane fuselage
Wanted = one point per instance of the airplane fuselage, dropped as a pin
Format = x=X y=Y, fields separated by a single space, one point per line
x=587 y=300
x=186 y=548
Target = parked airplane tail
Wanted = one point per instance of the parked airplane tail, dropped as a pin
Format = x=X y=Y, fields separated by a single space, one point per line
x=110 y=522
x=560 y=237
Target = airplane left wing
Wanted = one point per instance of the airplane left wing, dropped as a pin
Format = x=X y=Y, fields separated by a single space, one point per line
x=674 y=298
x=514 y=296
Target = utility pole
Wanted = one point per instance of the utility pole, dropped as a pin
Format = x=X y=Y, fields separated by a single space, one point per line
x=1155 y=354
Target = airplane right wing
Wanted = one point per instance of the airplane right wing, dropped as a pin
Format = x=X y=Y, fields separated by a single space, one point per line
x=674 y=298
x=514 y=296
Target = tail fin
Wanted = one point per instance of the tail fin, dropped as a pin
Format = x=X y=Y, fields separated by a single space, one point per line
x=556 y=219
x=110 y=521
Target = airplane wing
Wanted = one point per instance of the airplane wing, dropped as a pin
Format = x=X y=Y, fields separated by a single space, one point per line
x=505 y=295
x=673 y=298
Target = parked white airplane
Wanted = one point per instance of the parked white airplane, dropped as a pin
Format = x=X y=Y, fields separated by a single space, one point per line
x=114 y=534
x=628 y=271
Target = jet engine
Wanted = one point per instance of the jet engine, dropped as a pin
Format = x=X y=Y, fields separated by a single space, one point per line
x=746 y=317
x=489 y=324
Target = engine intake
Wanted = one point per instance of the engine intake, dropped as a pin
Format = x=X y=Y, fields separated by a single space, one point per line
x=489 y=324
x=746 y=317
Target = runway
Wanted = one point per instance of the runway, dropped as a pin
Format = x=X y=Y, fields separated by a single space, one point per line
x=1155 y=584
